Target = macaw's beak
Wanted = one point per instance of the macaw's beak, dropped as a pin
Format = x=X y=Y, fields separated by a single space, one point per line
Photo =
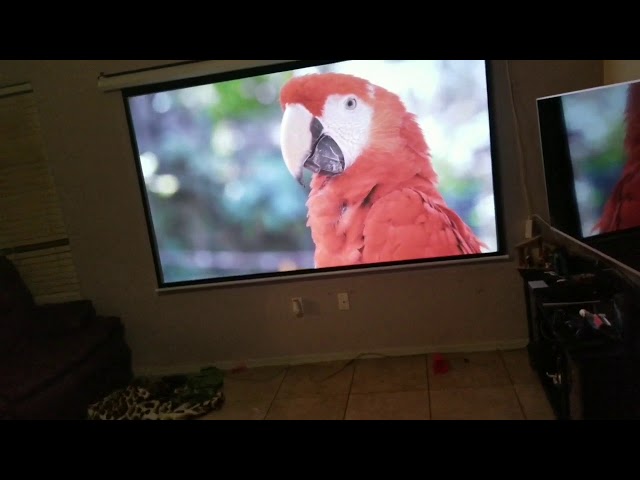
x=304 y=144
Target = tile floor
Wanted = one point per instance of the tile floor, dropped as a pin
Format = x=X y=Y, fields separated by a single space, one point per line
x=478 y=386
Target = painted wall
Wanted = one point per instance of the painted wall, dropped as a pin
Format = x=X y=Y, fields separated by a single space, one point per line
x=616 y=71
x=436 y=308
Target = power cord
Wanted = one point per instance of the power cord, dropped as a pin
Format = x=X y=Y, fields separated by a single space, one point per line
x=238 y=375
x=523 y=167
x=381 y=355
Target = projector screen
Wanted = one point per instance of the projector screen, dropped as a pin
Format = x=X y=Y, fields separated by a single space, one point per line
x=304 y=168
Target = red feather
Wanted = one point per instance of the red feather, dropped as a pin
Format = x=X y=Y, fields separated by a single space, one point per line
x=622 y=210
x=312 y=90
x=386 y=205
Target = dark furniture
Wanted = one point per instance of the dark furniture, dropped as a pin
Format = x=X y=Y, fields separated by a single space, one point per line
x=55 y=359
x=587 y=372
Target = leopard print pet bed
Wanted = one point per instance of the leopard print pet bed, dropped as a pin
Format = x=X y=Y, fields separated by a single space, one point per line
x=176 y=397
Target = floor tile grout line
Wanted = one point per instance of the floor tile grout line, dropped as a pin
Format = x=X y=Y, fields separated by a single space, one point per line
x=353 y=375
x=426 y=359
x=506 y=369
x=513 y=385
x=429 y=388
x=286 y=372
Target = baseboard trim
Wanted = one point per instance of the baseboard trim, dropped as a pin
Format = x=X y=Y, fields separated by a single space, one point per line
x=328 y=357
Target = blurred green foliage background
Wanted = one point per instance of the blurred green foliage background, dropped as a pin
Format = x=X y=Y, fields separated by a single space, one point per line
x=595 y=123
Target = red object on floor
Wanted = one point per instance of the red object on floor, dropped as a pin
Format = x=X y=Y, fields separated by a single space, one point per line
x=239 y=368
x=440 y=364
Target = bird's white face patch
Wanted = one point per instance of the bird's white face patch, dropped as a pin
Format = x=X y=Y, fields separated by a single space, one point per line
x=347 y=119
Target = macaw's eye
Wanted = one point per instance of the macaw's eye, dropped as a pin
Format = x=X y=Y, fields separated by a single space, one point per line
x=350 y=103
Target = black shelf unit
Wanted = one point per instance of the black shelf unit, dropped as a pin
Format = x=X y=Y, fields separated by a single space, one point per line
x=585 y=374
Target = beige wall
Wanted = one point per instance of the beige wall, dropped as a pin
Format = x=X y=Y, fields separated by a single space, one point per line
x=481 y=305
x=616 y=71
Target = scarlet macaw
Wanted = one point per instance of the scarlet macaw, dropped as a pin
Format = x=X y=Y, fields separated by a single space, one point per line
x=373 y=193
x=622 y=209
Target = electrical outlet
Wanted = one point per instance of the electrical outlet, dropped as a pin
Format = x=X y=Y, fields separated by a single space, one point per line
x=297 y=306
x=343 y=301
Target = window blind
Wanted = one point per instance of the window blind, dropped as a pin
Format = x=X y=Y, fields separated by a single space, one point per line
x=32 y=229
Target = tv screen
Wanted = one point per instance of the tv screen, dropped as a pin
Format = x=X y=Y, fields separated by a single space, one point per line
x=301 y=168
x=592 y=159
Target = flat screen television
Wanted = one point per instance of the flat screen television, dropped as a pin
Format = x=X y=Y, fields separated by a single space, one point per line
x=303 y=168
x=590 y=143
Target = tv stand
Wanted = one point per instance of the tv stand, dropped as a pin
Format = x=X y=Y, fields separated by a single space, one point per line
x=587 y=373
